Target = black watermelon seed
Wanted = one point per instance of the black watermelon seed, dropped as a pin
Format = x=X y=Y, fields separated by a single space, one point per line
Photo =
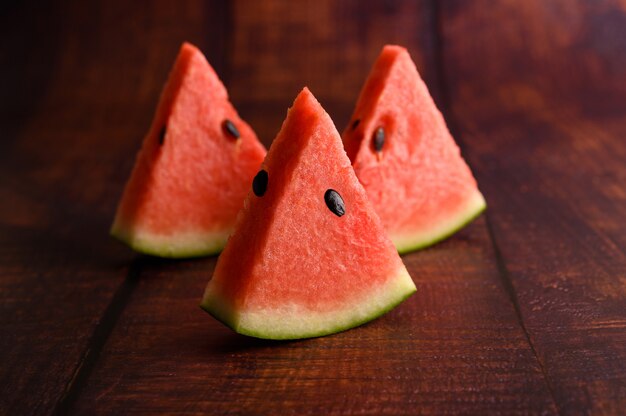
x=162 y=134
x=334 y=202
x=231 y=129
x=259 y=184
x=356 y=123
x=379 y=139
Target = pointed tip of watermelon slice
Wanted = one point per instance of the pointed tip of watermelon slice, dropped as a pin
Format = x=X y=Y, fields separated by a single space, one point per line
x=305 y=95
x=186 y=46
x=394 y=49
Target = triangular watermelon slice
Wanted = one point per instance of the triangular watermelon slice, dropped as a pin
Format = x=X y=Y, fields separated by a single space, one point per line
x=406 y=159
x=194 y=169
x=309 y=256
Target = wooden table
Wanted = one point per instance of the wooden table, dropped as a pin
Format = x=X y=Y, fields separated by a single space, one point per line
x=523 y=312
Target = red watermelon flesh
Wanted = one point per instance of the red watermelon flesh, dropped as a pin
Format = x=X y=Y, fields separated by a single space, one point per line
x=293 y=268
x=192 y=172
x=414 y=174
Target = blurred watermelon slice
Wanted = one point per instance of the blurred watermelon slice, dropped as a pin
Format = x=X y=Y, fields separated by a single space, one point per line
x=406 y=159
x=194 y=168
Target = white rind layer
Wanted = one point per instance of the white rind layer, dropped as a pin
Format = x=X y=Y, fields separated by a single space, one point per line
x=474 y=205
x=184 y=244
x=292 y=321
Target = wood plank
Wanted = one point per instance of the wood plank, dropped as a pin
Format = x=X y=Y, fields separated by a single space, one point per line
x=80 y=81
x=538 y=93
x=328 y=47
x=456 y=346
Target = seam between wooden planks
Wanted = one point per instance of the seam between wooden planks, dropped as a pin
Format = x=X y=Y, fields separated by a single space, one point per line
x=221 y=27
x=98 y=339
x=507 y=283
x=503 y=273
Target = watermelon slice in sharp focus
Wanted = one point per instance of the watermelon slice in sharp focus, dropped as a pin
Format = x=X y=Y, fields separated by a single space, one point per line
x=309 y=256
x=406 y=159
x=194 y=169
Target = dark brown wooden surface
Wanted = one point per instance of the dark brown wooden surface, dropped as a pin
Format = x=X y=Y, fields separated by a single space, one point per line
x=523 y=312
x=548 y=145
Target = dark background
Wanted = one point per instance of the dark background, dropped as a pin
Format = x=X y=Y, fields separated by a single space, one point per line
x=523 y=312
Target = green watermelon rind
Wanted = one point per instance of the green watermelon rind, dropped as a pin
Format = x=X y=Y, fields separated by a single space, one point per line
x=198 y=245
x=403 y=289
x=476 y=206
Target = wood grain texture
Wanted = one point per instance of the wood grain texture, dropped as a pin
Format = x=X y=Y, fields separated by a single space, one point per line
x=454 y=347
x=523 y=312
x=538 y=93
x=280 y=47
x=77 y=97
